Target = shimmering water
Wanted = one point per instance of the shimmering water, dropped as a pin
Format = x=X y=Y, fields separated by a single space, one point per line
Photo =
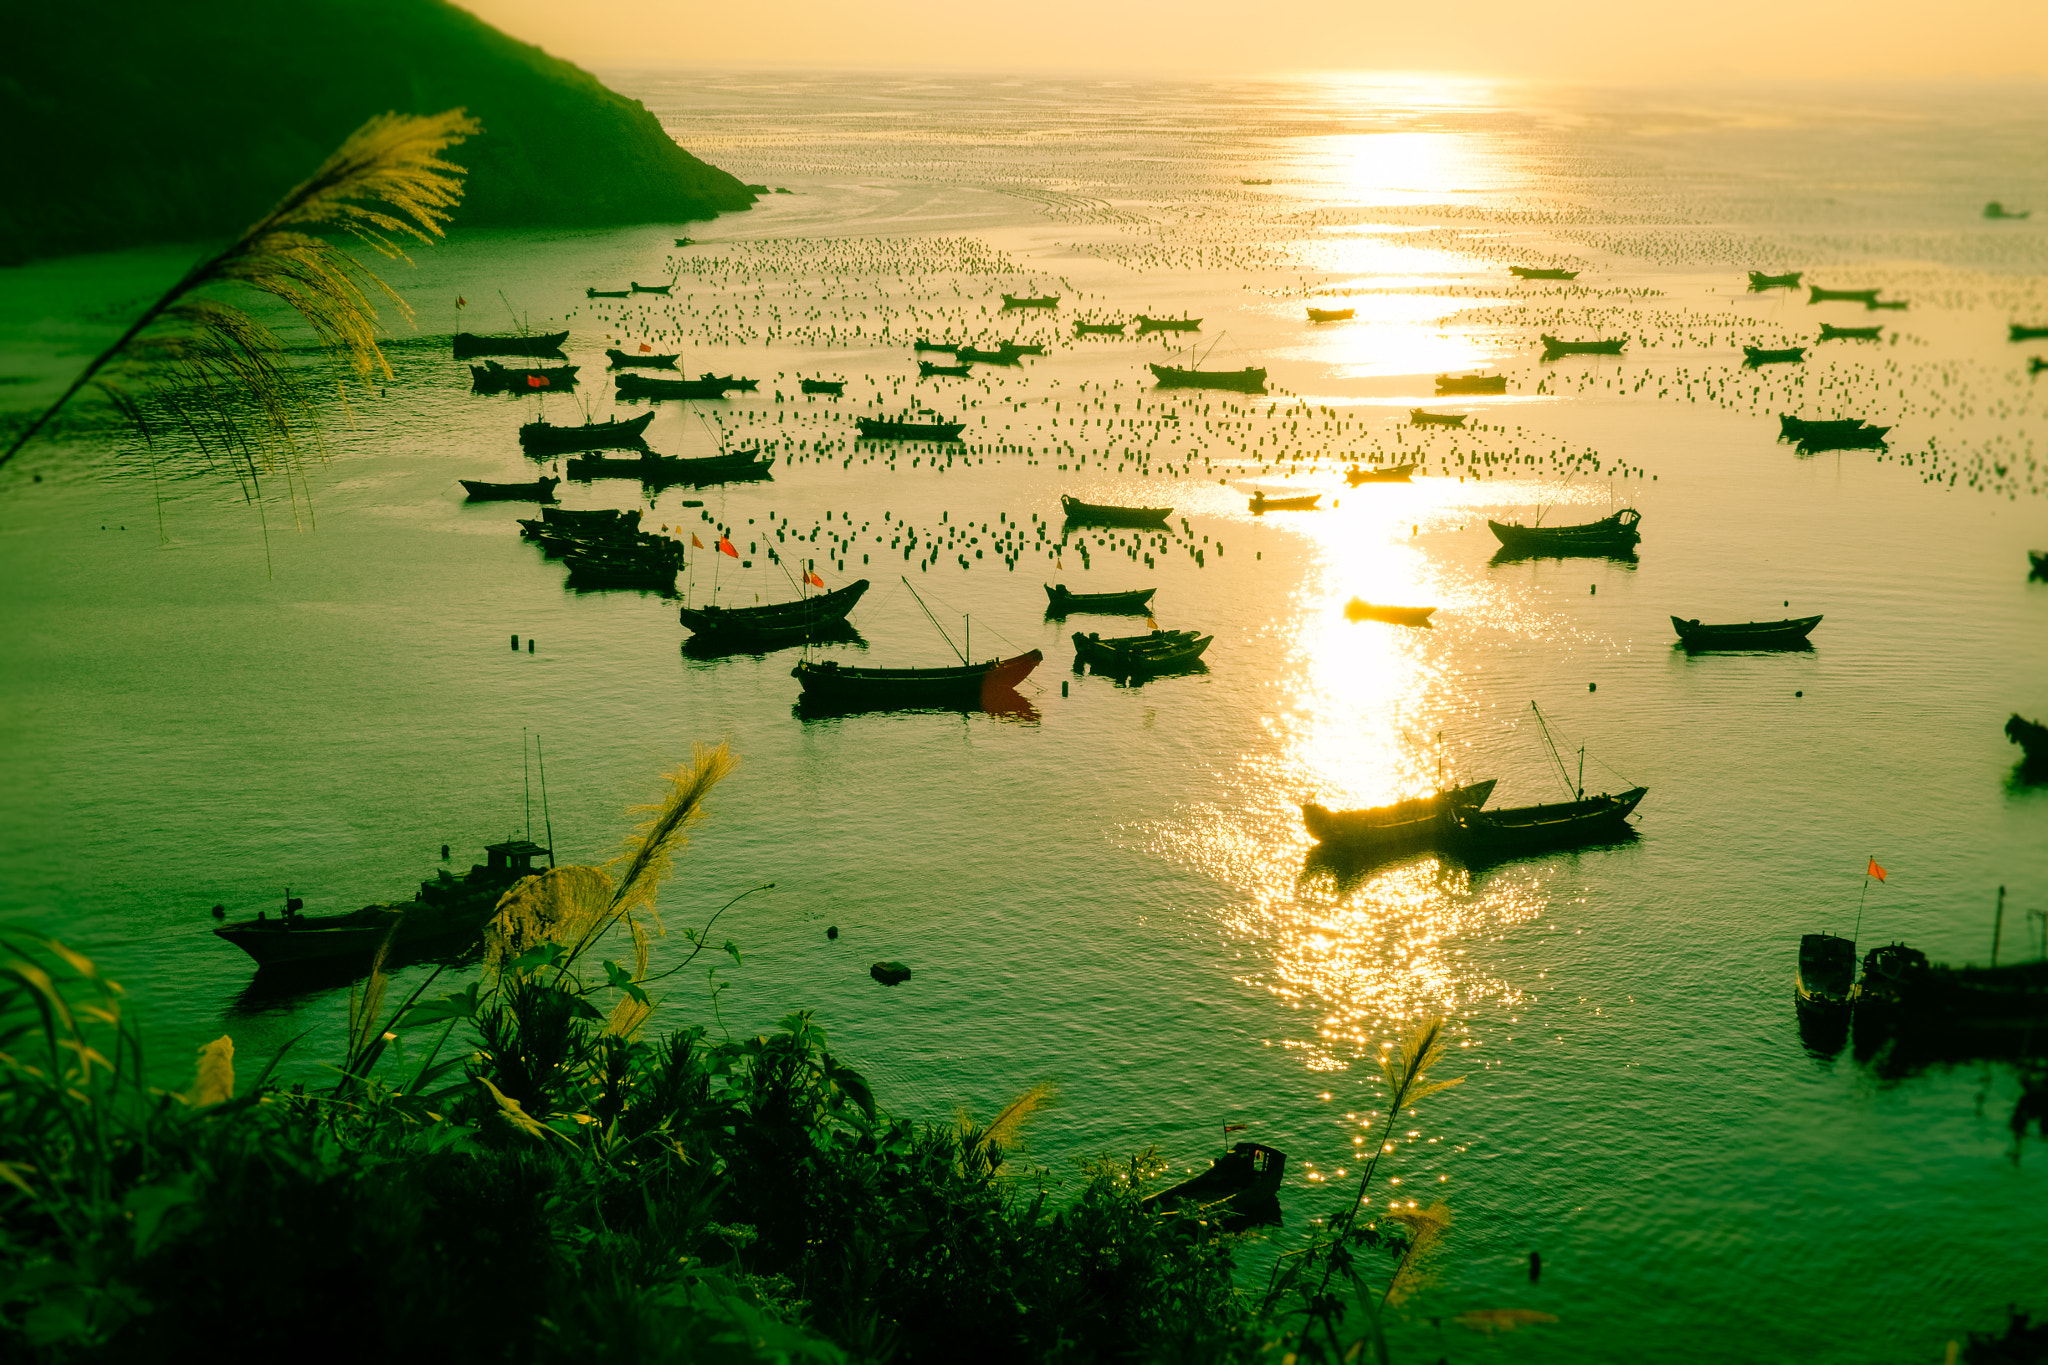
x=206 y=702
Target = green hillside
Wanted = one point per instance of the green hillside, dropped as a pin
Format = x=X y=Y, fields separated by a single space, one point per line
x=130 y=123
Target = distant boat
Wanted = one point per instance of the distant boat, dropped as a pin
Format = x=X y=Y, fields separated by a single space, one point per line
x=1061 y=602
x=1130 y=656
x=1530 y=272
x=1108 y=514
x=1889 y=305
x=686 y=241
x=1151 y=324
x=1816 y=294
x=1994 y=209
x=546 y=438
x=1561 y=824
x=1830 y=332
x=1262 y=504
x=776 y=623
x=629 y=360
x=1754 y=356
x=650 y=468
x=1471 y=383
x=831 y=684
x=1251 y=379
x=538 y=490
x=1027 y=301
x=1099 y=329
x=922 y=345
x=1557 y=346
x=662 y=289
x=468 y=344
x=1402 y=822
x=1393 y=473
x=727 y=381
x=1849 y=433
x=1022 y=347
x=641 y=386
x=1759 y=282
x=2039 y=561
x=2020 y=333
x=1358 y=609
x=2035 y=364
x=928 y=370
x=604 y=567
x=1254 y=182
x=1608 y=536
x=607 y=293
x=1825 y=981
x=491 y=377
x=1788 y=634
x=2031 y=736
x=1331 y=314
x=975 y=355
x=899 y=429
x=1241 y=1188
x=1418 y=418
x=833 y=387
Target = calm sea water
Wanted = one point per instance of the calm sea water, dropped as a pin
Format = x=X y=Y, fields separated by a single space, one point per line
x=207 y=701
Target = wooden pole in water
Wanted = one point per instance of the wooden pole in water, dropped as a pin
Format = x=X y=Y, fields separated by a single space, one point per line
x=1997 y=925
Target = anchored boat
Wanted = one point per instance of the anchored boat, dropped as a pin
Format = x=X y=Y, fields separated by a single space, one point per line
x=1760 y=282
x=1131 y=656
x=549 y=439
x=834 y=685
x=1261 y=504
x=1554 y=347
x=650 y=468
x=774 y=624
x=539 y=490
x=471 y=344
x=1788 y=634
x=1530 y=272
x=1108 y=514
x=1471 y=383
x=1060 y=602
x=628 y=360
x=1029 y=301
x=1331 y=314
x=1754 y=356
x=1398 y=824
x=1830 y=332
x=1250 y=379
x=903 y=429
x=1150 y=324
x=1608 y=536
x=1393 y=473
x=830 y=387
x=1418 y=418
x=1358 y=609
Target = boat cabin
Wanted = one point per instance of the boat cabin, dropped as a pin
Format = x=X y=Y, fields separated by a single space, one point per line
x=514 y=857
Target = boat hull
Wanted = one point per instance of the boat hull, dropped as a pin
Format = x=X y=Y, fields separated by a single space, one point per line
x=623 y=360
x=540 y=490
x=1788 y=634
x=1106 y=514
x=1527 y=272
x=1163 y=651
x=469 y=345
x=1613 y=535
x=1398 y=824
x=1557 y=346
x=833 y=685
x=775 y=625
x=662 y=470
x=879 y=429
x=554 y=440
x=1482 y=834
x=1398 y=473
x=1060 y=602
x=1251 y=379
x=1146 y=324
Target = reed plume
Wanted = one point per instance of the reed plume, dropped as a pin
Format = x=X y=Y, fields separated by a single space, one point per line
x=985 y=1142
x=210 y=362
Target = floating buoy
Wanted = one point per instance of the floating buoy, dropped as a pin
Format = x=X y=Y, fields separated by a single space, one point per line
x=831 y=931
x=515 y=644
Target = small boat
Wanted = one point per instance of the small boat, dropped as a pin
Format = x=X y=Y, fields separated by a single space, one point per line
x=1825 y=981
x=1788 y=634
x=1816 y=294
x=607 y=293
x=1402 y=822
x=1418 y=418
x=1830 y=332
x=1393 y=473
x=1849 y=433
x=831 y=684
x=471 y=344
x=1108 y=514
x=1130 y=656
x=2035 y=364
x=1801 y=428
x=597 y=568
x=641 y=386
x=686 y=241
x=1557 y=346
x=491 y=377
x=733 y=467
x=1251 y=379
x=1149 y=324
x=1331 y=314
x=1530 y=272
x=1996 y=210
x=1241 y=1188
x=626 y=360
x=922 y=345
x=2038 y=564
x=589 y=517
x=539 y=490
x=2031 y=736
x=2016 y=332
x=927 y=369
x=726 y=381
x=1028 y=301
x=1099 y=329
x=662 y=289
x=1261 y=504
x=1754 y=356
x=1888 y=305
x=902 y=429
x=1061 y=602
x=547 y=438
x=1471 y=383
x=1358 y=609
x=1608 y=536
x=974 y=355
x=774 y=624
x=1022 y=347
x=1996 y=1008
x=833 y=387
x=1485 y=834
x=1759 y=282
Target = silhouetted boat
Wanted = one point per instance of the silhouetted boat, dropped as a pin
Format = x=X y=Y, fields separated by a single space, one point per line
x=2031 y=736
x=975 y=355
x=550 y=439
x=650 y=468
x=661 y=289
x=469 y=344
x=832 y=684
x=1831 y=436
x=1802 y=428
x=1888 y=305
x=1530 y=272
x=1358 y=609
x=628 y=519
x=1788 y=634
x=1815 y=294
x=1557 y=346
x=538 y=490
x=642 y=386
x=1610 y=535
x=1261 y=504
x=1514 y=829
x=1030 y=301
x=1471 y=383
x=2020 y=333
x=1099 y=329
x=2037 y=561
x=598 y=567
x=491 y=377
x=1825 y=980
x=1129 y=656
x=1754 y=356
x=776 y=623
x=1830 y=332
x=1994 y=209
x=834 y=387
x=1393 y=473
x=727 y=381
x=2035 y=364
x=922 y=345
x=1241 y=1188
x=1902 y=993
x=1108 y=514
x=894 y=429
x=929 y=370
x=1022 y=347
x=1060 y=602
x=1418 y=418
x=1759 y=282
x=1150 y=324
x=686 y=241
x=607 y=293
x=1250 y=379
x=1331 y=314
x=1400 y=823
x=628 y=360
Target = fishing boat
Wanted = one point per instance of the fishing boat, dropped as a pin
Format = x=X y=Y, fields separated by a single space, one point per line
x=727 y=381
x=597 y=568
x=1815 y=294
x=1863 y=436
x=538 y=490
x=471 y=344
x=661 y=289
x=1753 y=356
x=1760 y=282
x=645 y=361
x=975 y=355
x=607 y=293
x=832 y=387
x=1331 y=314
x=927 y=369
x=1099 y=329
x=831 y=684
x=1261 y=504
x=922 y=345
x=1061 y=602
x=587 y=517
x=1109 y=514
x=686 y=241
x=2037 y=561
x=1130 y=656
x=1798 y=429
x=1418 y=418
x=1888 y=305
x=1250 y=379
x=1030 y=301
x=1996 y=210
x=1358 y=609
x=1530 y=272
x=2031 y=736
x=642 y=386
x=1788 y=634
x=1401 y=823
x=1557 y=346
x=774 y=624
x=903 y=429
x=2035 y=364
x=615 y=540
x=447 y=917
x=730 y=467
x=2017 y=332
x=1482 y=834
x=1995 y=1007
x=1240 y=1189
x=491 y=377
x=546 y=438
x=1471 y=383
x=1825 y=980
x=1608 y=536
x=1150 y=324
x=1022 y=347
x=1393 y=473
x=1830 y=332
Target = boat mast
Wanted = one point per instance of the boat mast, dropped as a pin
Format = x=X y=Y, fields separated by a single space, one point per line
x=935 y=622
x=526 y=770
x=1561 y=774
x=546 y=819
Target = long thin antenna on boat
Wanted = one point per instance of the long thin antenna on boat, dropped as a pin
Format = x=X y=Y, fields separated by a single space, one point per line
x=526 y=769
x=1211 y=351
x=546 y=819
x=1562 y=776
x=935 y=621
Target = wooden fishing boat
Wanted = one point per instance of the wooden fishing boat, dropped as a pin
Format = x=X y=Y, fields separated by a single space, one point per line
x=1261 y=504
x=831 y=684
x=2035 y=364
x=491 y=377
x=586 y=517
x=2038 y=563
x=922 y=345
x=975 y=355
x=1825 y=981
x=1830 y=332
x=902 y=429
x=727 y=381
x=774 y=624
x=1557 y=346
x=1471 y=383
x=1608 y=536
x=538 y=490
x=1250 y=379
x=2031 y=736
x=447 y=917
x=661 y=289
x=1029 y=301
x=927 y=369
x=1482 y=834
x=1888 y=305
x=1797 y=429
x=1149 y=324
x=1815 y=294
x=1863 y=436
x=1400 y=823
x=686 y=241
x=1358 y=609
x=596 y=568
x=1130 y=656
x=622 y=360
x=547 y=438
x=1996 y=210
x=1418 y=418
x=471 y=344
x=731 y=467
x=1108 y=514
x=1099 y=329
x=1788 y=634
x=1331 y=314
x=1393 y=473
x=1061 y=602
x=2016 y=332
x=832 y=387
x=1759 y=282
x=1022 y=347
x=1240 y=1189
x=1530 y=272
x=607 y=293
x=642 y=386
x=1754 y=356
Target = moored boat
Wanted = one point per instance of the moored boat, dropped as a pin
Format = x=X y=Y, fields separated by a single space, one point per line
x=1331 y=314
x=661 y=289
x=1816 y=294
x=1109 y=514
x=491 y=377
x=594 y=293
x=1393 y=473
x=1130 y=656
x=1471 y=383
x=1557 y=346
x=2017 y=332
x=727 y=381
x=1399 y=822
x=1261 y=504
x=922 y=345
x=1825 y=980
x=975 y=355
x=774 y=624
x=1514 y=829
x=1061 y=602
x=1530 y=272
x=1031 y=301
x=1830 y=332
x=1616 y=534
x=1151 y=324
x=600 y=567
x=537 y=490
x=1250 y=379
x=903 y=429
x=1754 y=356
x=927 y=369
x=622 y=360
x=650 y=468
x=1759 y=282
x=472 y=344
x=644 y=386
x=1240 y=1189
x=830 y=387
x=551 y=439
x=1099 y=329
x=831 y=684
x=1418 y=418
x=1787 y=634
x=1358 y=609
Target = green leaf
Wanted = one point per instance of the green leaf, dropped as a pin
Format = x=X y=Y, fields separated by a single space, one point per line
x=459 y=1005
x=545 y=955
x=147 y=1206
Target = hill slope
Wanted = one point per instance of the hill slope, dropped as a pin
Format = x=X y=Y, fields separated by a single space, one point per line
x=130 y=123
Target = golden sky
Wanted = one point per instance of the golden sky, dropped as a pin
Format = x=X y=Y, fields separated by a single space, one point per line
x=1599 y=41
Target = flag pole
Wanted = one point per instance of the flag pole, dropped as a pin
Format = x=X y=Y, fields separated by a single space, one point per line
x=1857 y=933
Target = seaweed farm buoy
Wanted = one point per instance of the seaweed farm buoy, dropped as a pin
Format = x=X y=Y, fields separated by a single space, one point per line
x=1063 y=687
x=444 y=853
x=831 y=931
x=515 y=644
x=529 y=644
x=889 y=973
x=1592 y=687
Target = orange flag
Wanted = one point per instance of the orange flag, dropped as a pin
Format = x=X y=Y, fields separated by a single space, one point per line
x=725 y=548
x=696 y=542
x=536 y=381
x=1874 y=870
x=813 y=579
x=461 y=302
x=645 y=347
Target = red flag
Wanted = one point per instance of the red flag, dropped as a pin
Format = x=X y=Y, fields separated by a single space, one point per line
x=1230 y=1128
x=461 y=302
x=696 y=542
x=645 y=347
x=536 y=381
x=813 y=579
x=725 y=548
x=1874 y=870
